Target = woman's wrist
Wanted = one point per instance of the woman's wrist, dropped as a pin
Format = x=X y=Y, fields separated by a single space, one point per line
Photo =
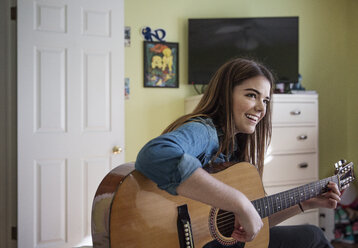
x=305 y=206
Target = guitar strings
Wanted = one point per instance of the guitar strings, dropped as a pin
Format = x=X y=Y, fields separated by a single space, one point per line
x=291 y=197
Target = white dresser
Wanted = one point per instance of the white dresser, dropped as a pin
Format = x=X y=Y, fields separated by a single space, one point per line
x=292 y=159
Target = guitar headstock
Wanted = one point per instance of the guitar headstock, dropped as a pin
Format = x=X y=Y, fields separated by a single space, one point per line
x=345 y=173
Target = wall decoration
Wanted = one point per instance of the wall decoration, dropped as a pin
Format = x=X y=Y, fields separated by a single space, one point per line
x=127 y=36
x=161 y=67
x=126 y=88
x=157 y=34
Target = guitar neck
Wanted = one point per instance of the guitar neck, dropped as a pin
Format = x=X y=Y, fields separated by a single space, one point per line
x=269 y=205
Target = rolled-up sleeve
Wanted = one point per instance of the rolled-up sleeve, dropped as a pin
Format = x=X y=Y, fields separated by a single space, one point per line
x=171 y=158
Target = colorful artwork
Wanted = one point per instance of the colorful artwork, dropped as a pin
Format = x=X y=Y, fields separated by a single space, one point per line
x=161 y=64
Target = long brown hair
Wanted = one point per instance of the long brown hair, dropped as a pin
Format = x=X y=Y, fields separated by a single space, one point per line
x=217 y=104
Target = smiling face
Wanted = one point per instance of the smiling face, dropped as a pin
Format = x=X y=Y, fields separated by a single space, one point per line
x=250 y=100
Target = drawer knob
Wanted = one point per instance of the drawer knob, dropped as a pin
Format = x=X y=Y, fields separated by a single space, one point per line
x=302 y=137
x=303 y=165
x=295 y=112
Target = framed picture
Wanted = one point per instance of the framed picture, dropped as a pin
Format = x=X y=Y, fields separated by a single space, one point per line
x=161 y=64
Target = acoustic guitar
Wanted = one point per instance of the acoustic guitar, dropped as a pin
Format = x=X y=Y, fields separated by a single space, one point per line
x=130 y=211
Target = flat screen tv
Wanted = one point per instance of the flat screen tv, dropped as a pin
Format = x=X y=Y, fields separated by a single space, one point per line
x=270 y=40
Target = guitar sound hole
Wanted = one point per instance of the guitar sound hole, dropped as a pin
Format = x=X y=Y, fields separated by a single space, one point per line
x=225 y=222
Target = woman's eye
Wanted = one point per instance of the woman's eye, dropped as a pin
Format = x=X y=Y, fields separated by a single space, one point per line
x=251 y=95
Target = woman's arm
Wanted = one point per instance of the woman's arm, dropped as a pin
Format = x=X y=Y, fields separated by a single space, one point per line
x=171 y=161
x=283 y=215
x=326 y=200
x=201 y=186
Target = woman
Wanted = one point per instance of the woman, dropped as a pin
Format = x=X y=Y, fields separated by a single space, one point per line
x=232 y=122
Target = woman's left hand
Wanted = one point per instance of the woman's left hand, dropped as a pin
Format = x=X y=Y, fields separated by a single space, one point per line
x=326 y=200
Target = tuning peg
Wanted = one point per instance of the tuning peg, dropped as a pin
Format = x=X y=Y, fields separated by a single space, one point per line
x=342 y=162
x=345 y=186
x=338 y=164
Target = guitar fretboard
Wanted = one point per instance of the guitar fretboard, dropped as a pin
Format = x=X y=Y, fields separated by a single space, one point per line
x=269 y=205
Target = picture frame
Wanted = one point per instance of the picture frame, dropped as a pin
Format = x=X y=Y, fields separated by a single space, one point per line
x=161 y=67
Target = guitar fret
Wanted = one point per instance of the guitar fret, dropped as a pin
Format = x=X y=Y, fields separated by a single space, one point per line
x=295 y=199
x=282 y=203
x=258 y=208
x=262 y=205
x=316 y=189
x=276 y=205
x=300 y=193
x=255 y=205
x=265 y=206
x=313 y=190
x=306 y=192
x=309 y=191
x=270 y=210
x=290 y=195
x=319 y=185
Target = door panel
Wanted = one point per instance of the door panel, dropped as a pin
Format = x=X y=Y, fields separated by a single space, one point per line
x=50 y=89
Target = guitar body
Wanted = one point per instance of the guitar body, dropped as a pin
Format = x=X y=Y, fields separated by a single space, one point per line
x=130 y=211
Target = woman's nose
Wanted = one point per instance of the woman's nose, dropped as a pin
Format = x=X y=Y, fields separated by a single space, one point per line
x=260 y=106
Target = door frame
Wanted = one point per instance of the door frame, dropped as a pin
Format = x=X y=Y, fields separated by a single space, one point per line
x=8 y=126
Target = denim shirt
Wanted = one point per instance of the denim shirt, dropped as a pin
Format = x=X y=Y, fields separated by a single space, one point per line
x=171 y=158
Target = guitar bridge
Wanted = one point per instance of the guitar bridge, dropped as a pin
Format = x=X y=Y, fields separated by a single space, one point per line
x=185 y=233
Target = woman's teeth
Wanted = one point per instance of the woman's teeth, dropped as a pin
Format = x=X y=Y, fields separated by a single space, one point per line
x=252 y=117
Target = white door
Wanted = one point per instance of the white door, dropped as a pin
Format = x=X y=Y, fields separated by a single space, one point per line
x=70 y=114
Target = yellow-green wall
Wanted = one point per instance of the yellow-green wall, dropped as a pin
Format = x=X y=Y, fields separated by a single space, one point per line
x=352 y=80
x=328 y=42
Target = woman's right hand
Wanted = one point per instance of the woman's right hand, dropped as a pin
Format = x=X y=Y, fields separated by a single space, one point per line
x=248 y=223
x=201 y=186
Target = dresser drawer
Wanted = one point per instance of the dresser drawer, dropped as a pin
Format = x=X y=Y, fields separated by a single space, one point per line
x=294 y=113
x=293 y=140
x=287 y=169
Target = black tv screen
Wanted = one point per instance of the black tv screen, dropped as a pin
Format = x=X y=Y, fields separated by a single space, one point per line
x=270 y=40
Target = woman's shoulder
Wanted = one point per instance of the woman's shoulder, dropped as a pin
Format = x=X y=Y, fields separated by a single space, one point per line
x=199 y=126
x=207 y=121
